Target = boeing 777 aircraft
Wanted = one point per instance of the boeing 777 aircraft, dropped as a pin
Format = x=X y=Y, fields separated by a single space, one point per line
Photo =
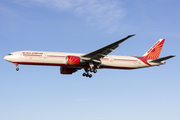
x=71 y=62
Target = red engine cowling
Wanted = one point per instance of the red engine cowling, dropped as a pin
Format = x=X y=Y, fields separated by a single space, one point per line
x=72 y=60
x=66 y=70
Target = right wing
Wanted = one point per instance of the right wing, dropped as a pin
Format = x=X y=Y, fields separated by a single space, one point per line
x=104 y=51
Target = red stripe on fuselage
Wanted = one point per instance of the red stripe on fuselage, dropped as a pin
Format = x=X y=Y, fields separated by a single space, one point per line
x=117 y=67
x=73 y=66
x=38 y=63
x=144 y=60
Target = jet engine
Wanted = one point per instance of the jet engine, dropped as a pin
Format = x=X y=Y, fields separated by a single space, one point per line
x=73 y=60
x=66 y=70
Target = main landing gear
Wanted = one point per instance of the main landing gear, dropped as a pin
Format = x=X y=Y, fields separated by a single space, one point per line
x=17 y=68
x=91 y=69
x=87 y=75
x=87 y=72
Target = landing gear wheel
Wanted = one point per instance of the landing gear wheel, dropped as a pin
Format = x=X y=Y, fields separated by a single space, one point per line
x=90 y=76
x=95 y=71
x=89 y=69
x=17 y=69
x=84 y=74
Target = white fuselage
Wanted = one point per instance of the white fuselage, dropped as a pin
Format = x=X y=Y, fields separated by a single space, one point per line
x=59 y=59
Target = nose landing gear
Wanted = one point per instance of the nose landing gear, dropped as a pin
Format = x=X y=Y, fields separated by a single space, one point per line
x=17 y=68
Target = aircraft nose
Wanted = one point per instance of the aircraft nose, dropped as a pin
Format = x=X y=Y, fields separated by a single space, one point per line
x=6 y=58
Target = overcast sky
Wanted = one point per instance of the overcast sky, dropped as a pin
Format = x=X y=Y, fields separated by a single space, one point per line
x=82 y=26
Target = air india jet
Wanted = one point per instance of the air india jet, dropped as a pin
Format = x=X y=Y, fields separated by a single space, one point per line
x=98 y=59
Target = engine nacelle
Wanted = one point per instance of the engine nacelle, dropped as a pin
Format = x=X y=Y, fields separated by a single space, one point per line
x=72 y=60
x=66 y=70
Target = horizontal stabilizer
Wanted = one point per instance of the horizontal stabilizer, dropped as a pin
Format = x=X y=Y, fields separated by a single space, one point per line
x=162 y=59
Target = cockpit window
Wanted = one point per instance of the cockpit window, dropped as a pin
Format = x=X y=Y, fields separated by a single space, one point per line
x=9 y=54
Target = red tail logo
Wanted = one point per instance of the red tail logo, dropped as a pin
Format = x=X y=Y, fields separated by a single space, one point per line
x=154 y=51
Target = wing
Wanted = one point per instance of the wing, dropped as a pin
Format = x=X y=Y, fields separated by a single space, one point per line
x=104 y=51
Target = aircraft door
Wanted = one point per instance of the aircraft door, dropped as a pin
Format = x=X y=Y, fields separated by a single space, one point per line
x=111 y=59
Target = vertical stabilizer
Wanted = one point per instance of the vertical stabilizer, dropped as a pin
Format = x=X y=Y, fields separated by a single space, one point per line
x=154 y=51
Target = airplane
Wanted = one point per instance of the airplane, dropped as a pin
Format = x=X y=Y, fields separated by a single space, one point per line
x=71 y=62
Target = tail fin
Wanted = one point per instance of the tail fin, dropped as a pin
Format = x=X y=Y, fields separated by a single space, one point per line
x=154 y=51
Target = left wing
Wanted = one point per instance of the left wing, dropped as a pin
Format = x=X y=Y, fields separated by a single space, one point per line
x=104 y=51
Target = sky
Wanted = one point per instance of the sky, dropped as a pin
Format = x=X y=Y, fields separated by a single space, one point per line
x=82 y=26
